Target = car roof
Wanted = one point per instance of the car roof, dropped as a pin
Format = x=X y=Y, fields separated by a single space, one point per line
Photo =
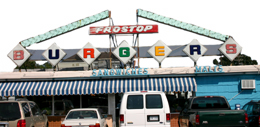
x=13 y=101
x=79 y=109
x=134 y=92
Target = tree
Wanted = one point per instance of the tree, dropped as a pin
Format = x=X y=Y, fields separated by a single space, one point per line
x=33 y=65
x=241 y=59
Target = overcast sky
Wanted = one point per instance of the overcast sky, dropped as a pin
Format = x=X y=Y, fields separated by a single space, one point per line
x=22 y=19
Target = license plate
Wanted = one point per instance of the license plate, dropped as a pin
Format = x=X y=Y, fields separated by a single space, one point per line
x=154 y=118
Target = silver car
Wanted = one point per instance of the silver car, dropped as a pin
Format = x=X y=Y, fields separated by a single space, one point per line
x=21 y=113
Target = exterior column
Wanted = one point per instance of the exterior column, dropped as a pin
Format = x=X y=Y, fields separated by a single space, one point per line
x=112 y=107
x=52 y=111
x=80 y=101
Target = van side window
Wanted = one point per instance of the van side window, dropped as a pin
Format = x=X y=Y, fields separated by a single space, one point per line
x=135 y=102
x=153 y=101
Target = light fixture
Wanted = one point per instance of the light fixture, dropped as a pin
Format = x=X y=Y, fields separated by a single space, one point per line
x=181 y=25
x=66 y=28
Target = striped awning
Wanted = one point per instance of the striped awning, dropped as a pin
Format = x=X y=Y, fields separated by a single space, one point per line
x=81 y=87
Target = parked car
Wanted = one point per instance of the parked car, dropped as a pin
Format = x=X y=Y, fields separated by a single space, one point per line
x=144 y=109
x=211 y=111
x=84 y=117
x=252 y=108
x=21 y=113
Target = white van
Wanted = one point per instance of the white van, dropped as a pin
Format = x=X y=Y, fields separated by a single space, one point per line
x=144 y=109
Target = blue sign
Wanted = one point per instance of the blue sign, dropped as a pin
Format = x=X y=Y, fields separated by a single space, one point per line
x=120 y=72
x=208 y=69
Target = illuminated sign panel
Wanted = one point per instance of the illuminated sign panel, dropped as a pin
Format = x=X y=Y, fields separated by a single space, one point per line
x=230 y=49
x=195 y=50
x=19 y=55
x=127 y=29
x=159 y=51
x=54 y=54
x=124 y=52
x=88 y=53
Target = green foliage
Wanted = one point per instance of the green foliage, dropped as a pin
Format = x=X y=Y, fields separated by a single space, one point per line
x=33 y=65
x=241 y=59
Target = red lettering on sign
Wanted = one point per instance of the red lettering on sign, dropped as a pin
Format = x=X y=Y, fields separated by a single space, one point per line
x=126 y=29
x=18 y=55
x=231 y=48
x=88 y=51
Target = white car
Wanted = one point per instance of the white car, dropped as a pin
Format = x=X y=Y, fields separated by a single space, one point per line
x=84 y=117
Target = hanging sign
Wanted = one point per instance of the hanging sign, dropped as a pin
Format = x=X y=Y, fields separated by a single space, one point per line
x=127 y=29
x=159 y=51
x=195 y=50
x=124 y=52
x=54 y=54
x=88 y=53
x=231 y=49
x=19 y=55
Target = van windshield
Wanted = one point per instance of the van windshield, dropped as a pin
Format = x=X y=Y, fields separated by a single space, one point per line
x=9 y=111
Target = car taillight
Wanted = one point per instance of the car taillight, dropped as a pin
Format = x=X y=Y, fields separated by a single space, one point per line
x=21 y=123
x=63 y=125
x=259 y=120
x=97 y=125
x=92 y=125
x=168 y=117
x=197 y=120
x=121 y=118
x=246 y=118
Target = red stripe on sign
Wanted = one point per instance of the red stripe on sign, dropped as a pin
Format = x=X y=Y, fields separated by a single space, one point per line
x=129 y=29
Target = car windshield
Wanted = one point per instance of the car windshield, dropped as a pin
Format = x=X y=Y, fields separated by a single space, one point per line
x=83 y=114
x=9 y=111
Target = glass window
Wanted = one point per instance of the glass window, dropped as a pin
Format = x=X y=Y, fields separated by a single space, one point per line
x=9 y=111
x=214 y=102
x=26 y=109
x=153 y=101
x=135 y=102
x=256 y=109
x=59 y=105
x=82 y=114
x=35 y=109
x=249 y=110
